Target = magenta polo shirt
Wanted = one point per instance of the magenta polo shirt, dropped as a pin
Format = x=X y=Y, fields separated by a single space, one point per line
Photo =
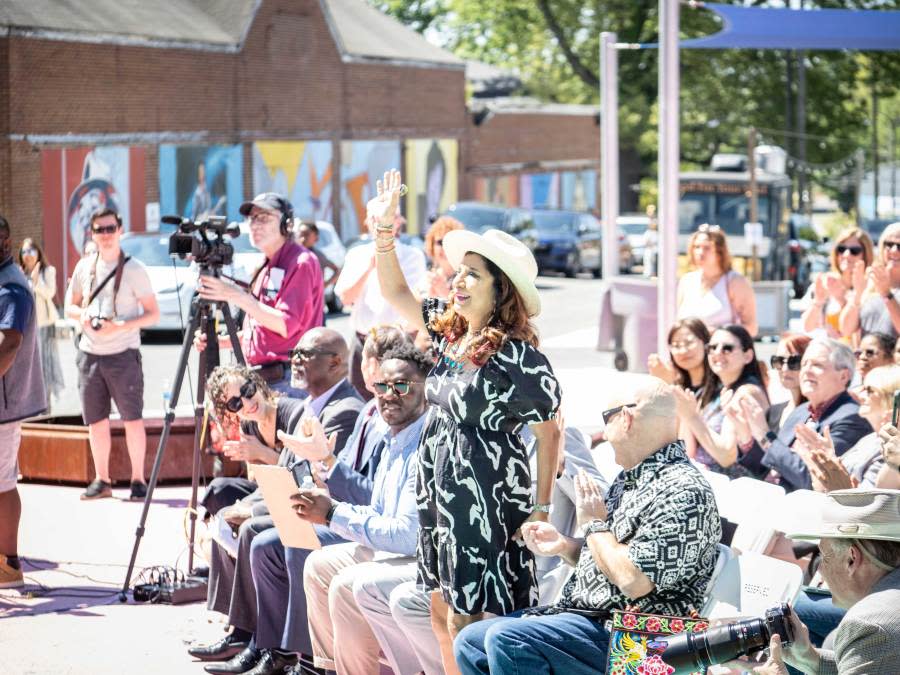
x=292 y=283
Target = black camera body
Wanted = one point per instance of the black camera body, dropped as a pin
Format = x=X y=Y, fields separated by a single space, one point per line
x=97 y=322
x=693 y=652
x=203 y=242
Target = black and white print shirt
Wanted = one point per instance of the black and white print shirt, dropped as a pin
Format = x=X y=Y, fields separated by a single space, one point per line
x=665 y=511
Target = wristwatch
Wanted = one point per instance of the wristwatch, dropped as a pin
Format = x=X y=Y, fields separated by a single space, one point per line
x=768 y=439
x=542 y=508
x=596 y=526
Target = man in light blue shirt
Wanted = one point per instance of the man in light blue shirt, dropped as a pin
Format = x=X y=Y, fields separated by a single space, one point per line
x=385 y=528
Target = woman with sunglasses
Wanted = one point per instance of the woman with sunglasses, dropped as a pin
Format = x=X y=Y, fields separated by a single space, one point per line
x=689 y=368
x=709 y=433
x=873 y=306
x=713 y=291
x=851 y=255
x=440 y=274
x=875 y=350
x=43 y=282
x=786 y=363
x=474 y=482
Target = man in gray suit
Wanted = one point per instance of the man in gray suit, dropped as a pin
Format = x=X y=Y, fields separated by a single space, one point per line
x=860 y=543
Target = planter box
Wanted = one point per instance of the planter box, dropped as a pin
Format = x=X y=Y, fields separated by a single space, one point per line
x=58 y=449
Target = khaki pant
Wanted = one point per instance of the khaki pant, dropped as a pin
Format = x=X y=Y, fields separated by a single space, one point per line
x=329 y=577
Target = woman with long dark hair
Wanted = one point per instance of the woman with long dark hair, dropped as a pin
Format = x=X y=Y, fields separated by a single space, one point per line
x=474 y=482
x=711 y=439
x=689 y=368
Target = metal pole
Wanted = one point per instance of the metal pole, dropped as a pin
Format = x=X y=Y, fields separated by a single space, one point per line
x=860 y=168
x=875 y=153
x=754 y=199
x=669 y=155
x=894 y=166
x=609 y=152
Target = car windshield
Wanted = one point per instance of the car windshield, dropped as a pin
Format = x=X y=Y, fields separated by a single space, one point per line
x=633 y=227
x=728 y=211
x=152 y=251
x=560 y=221
x=478 y=220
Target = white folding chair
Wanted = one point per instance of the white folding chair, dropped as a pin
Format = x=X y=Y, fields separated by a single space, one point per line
x=749 y=584
x=605 y=459
x=801 y=510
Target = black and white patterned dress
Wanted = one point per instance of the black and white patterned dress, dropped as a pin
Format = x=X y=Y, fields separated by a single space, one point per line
x=474 y=483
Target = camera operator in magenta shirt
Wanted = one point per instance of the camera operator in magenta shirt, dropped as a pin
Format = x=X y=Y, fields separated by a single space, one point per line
x=285 y=298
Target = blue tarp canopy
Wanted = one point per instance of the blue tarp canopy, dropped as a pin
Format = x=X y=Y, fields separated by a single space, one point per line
x=782 y=28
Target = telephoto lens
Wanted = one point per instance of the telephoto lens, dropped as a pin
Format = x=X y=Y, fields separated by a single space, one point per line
x=695 y=652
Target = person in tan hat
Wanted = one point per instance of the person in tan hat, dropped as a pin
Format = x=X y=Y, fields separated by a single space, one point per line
x=859 y=538
x=474 y=486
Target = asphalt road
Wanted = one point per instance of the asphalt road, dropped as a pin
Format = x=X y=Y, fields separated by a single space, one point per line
x=567 y=326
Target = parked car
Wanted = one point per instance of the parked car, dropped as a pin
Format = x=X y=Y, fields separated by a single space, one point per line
x=173 y=279
x=571 y=241
x=634 y=225
x=479 y=217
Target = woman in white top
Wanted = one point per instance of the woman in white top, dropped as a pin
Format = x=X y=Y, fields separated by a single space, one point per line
x=43 y=284
x=712 y=291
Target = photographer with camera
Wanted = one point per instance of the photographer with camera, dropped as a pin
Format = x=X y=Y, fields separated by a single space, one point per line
x=111 y=297
x=284 y=299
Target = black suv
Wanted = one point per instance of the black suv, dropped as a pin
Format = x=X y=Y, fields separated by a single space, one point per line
x=478 y=217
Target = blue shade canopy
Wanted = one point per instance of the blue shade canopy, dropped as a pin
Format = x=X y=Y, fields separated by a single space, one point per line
x=782 y=28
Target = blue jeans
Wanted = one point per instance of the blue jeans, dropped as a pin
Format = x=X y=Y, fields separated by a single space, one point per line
x=819 y=614
x=512 y=644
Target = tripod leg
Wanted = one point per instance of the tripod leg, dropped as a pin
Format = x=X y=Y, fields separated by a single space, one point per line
x=186 y=347
x=232 y=333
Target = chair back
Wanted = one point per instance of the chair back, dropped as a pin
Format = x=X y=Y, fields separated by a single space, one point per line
x=751 y=583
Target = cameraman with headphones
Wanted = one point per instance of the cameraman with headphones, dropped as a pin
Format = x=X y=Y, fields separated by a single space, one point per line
x=284 y=299
x=111 y=297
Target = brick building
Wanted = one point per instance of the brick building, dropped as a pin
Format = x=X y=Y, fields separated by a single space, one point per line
x=191 y=106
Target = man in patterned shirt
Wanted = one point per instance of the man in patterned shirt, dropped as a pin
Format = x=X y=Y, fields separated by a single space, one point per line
x=654 y=549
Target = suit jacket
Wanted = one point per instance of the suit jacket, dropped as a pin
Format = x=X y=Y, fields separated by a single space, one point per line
x=866 y=639
x=353 y=474
x=340 y=413
x=847 y=427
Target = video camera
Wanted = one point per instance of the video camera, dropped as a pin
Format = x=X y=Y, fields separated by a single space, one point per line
x=192 y=240
x=695 y=652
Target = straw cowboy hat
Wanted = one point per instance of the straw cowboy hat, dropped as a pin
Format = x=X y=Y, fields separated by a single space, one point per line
x=506 y=252
x=857 y=514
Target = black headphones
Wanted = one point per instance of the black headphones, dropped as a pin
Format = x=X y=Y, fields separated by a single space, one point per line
x=287 y=216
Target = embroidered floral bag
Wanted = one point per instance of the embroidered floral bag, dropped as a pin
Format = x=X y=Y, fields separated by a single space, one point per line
x=633 y=649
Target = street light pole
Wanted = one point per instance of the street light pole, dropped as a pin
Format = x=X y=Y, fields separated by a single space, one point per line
x=609 y=152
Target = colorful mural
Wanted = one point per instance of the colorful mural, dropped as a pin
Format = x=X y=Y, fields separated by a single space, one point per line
x=76 y=182
x=362 y=163
x=430 y=171
x=196 y=181
x=299 y=169
x=575 y=190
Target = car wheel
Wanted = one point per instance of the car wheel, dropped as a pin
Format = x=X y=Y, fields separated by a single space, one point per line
x=597 y=272
x=574 y=265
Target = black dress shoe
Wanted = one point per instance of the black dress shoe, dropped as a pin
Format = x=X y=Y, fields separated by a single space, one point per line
x=240 y=663
x=273 y=663
x=222 y=650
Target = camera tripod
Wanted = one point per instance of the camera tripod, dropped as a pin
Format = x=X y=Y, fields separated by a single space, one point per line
x=203 y=318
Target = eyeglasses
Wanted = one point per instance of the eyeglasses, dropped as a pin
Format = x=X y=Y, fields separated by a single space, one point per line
x=104 y=229
x=723 y=347
x=29 y=251
x=793 y=362
x=262 y=217
x=309 y=354
x=607 y=415
x=235 y=403
x=709 y=228
x=892 y=246
x=852 y=250
x=398 y=388
x=684 y=345
x=868 y=353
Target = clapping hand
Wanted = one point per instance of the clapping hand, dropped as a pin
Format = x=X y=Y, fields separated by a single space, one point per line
x=828 y=472
x=890 y=444
x=590 y=503
x=247 y=449
x=858 y=278
x=659 y=368
x=685 y=403
x=812 y=440
x=880 y=278
x=309 y=441
x=543 y=539
x=754 y=415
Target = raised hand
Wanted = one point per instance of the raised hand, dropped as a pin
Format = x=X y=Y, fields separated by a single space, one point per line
x=828 y=472
x=755 y=416
x=659 y=368
x=308 y=440
x=590 y=502
x=383 y=206
x=880 y=278
x=890 y=444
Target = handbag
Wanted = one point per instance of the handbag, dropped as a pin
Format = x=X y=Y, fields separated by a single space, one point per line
x=633 y=649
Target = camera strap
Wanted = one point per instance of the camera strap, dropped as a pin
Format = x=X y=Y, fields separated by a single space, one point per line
x=117 y=273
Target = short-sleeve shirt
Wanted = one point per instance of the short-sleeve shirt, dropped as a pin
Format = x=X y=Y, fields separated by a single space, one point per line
x=290 y=282
x=122 y=305
x=16 y=305
x=665 y=511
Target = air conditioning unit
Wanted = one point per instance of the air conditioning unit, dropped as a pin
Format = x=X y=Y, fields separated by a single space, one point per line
x=728 y=161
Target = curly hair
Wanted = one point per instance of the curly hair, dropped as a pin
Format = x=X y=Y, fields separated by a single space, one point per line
x=217 y=384
x=382 y=339
x=508 y=321
x=411 y=354
x=436 y=232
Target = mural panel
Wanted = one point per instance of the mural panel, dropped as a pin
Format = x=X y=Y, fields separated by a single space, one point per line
x=431 y=173
x=196 y=181
x=498 y=190
x=299 y=169
x=362 y=163
x=539 y=190
x=579 y=190
x=76 y=182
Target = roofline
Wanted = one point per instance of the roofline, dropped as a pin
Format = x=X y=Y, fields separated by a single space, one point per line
x=536 y=167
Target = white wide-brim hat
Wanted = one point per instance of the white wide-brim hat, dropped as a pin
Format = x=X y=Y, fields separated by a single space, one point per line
x=856 y=514
x=506 y=252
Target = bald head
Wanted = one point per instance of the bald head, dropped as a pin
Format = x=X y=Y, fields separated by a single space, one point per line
x=326 y=339
x=320 y=361
x=645 y=424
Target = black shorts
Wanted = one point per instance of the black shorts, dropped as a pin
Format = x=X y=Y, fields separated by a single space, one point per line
x=110 y=376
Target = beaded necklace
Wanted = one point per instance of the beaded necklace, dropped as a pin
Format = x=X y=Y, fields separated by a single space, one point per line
x=455 y=357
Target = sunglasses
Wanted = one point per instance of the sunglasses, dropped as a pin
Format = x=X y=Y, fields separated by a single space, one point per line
x=868 y=353
x=612 y=412
x=235 y=403
x=29 y=251
x=709 y=228
x=309 y=354
x=438 y=242
x=852 y=250
x=399 y=388
x=892 y=245
x=792 y=361
x=723 y=347
x=104 y=229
